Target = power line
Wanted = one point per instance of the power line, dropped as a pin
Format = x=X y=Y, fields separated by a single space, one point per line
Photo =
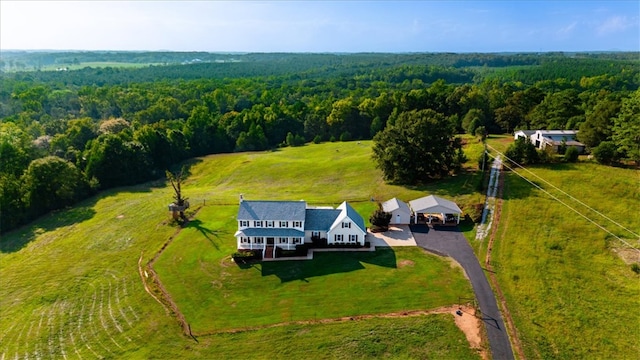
x=565 y=193
x=567 y=205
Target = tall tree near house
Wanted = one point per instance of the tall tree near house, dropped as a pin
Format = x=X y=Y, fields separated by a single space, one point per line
x=626 y=128
x=180 y=203
x=419 y=147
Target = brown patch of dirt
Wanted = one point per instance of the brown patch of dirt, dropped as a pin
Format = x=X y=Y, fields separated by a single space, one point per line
x=405 y=263
x=628 y=255
x=120 y=216
x=471 y=326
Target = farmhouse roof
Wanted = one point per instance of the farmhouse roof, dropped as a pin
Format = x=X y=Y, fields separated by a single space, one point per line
x=353 y=215
x=395 y=204
x=320 y=219
x=272 y=210
x=434 y=205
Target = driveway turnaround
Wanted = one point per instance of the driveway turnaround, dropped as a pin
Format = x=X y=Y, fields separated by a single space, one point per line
x=450 y=242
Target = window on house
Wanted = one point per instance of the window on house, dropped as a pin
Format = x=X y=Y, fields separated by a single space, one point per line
x=297 y=240
x=244 y=223
x=282 y=240
x=337 y=238
x=259 y=240
x=353 y=238
x=346 y=225
x=297 y=224
x=244 y=240
x=257 y=223
x=315 y=234
x=284 y=224
x=270 y=224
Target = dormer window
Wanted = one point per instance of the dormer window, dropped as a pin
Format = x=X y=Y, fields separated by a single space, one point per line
x=257 y=223
x=284 y=224
x=346 y=225
x=297 y=224
x=271 y=224
x=244 y=223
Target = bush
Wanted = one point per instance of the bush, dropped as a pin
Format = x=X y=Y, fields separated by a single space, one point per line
x=380 y=219
x=317 y=139
x=606 y=153
x=345 y=136
x=243 y=256
x=635 y=268
x=546 y=156
x=571 y=154
x=523 y=152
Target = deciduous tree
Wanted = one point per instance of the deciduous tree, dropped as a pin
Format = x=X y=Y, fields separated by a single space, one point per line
x=420 y=146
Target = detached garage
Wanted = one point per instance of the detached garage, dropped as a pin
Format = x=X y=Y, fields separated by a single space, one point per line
x=434 y=205
x=399 y=210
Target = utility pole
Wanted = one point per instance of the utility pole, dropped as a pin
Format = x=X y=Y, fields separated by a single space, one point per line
x=484 y=155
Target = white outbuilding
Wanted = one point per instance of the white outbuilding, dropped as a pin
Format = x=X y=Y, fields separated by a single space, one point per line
x=434 y=205
x=399 y=210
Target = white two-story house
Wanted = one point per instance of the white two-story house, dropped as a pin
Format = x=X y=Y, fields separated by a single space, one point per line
x=267 y=225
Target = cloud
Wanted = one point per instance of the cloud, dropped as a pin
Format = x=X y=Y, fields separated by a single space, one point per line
x=615 y=24
x=567 y=30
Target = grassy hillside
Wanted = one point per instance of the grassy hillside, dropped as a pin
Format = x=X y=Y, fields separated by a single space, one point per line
x=71 y=286
x=571 y=295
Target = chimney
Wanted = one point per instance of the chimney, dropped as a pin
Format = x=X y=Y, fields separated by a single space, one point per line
x=241 y=198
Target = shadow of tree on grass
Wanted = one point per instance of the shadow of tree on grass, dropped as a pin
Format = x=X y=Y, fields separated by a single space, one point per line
x=206 y=232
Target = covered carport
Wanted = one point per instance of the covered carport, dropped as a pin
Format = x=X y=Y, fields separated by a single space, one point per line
x=434 y=205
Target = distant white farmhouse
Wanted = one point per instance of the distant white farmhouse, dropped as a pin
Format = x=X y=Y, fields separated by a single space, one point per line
x=553 y=139
x=399 y=210
x=267 y=225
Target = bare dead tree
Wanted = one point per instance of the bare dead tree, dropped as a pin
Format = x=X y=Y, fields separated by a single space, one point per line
x=180 y=203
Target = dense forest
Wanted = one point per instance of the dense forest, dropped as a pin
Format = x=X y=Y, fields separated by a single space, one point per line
x=67 y=134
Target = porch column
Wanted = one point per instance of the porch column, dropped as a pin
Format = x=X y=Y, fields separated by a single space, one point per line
x=458 y=218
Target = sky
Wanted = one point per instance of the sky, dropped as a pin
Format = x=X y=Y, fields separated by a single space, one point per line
x=321 y=26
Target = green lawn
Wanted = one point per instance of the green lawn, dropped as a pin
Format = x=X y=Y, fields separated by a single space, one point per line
x=214 y=293
x=570 y=294
x=70 y=285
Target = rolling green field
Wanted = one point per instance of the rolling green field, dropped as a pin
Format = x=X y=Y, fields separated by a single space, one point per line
x=570 y=295
x=71 y=285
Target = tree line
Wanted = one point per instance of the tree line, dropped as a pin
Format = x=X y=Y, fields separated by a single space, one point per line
x=61 y=139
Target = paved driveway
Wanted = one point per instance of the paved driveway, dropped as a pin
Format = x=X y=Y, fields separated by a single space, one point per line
x=397 y=235
x=450 y=242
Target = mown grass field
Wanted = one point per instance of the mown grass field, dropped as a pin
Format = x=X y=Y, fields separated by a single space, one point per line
x=571 y=295
x=70 y=285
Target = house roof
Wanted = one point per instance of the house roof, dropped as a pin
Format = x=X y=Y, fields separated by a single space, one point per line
x=434 y=205
x=395 y=204
x=557 y=132
x=272 y=210
x=320 y=219
x=270 y=232
x=525 y=132
x=350 y=212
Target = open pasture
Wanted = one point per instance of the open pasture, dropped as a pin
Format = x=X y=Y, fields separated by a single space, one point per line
x=569 y=292
x=71 y=286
